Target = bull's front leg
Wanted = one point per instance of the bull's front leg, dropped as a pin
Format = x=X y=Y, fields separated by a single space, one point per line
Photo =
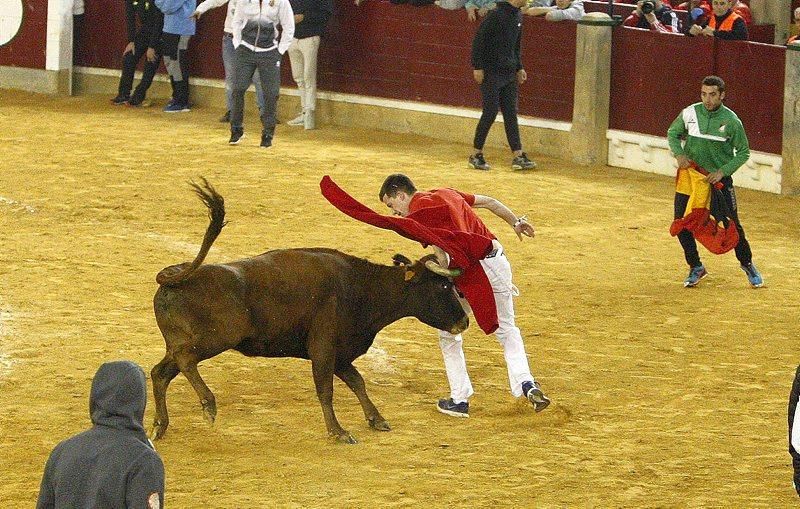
x=322 y=352
x=322 y=369
x=350 y=375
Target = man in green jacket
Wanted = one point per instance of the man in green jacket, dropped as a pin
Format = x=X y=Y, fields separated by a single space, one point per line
x=716 y=142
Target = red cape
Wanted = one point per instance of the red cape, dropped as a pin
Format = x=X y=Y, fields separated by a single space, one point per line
x=473 y=283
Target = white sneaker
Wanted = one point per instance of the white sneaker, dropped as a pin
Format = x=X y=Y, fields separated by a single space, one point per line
x=310 y=122
x=297 y=121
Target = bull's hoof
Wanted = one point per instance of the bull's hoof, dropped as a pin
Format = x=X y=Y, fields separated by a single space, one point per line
x=378 y=423
x=346 y=438
x=158 y=431
x=209 y=411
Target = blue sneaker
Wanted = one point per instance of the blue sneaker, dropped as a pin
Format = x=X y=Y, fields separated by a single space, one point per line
x=694 y=277
x=174 y=107
x=534 y=393
x=753 y=275
x=449 y=407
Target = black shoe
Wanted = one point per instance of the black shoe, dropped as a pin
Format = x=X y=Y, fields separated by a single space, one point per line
x=120 y=100
x=534 y=393
x=521 y=162
x=236 y=136
x=477 y=162
x=226 y=118
x=449 y=407
x=266 y=140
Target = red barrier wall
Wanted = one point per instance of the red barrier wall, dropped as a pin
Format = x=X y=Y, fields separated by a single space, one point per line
x=381 y=50
x=28 y=47
x=656 y=75
x=754 y=76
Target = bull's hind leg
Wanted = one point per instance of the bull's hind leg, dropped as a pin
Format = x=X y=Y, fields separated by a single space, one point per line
x=161 y=375
x=350 y=375
x=187 y=363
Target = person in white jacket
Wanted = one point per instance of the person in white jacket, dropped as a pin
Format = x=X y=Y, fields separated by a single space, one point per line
x=557 y=10
x=255 y=37
x=229 y=54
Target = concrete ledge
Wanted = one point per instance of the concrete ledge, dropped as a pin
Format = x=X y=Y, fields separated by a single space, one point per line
x=642 y=152
x=39 y=81
x=539 y=136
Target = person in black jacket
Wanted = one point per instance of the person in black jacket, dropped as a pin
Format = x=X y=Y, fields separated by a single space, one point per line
x=794 y=430
x=144 y=40
x=113 y=464
x=498 y=70
x=310 y=18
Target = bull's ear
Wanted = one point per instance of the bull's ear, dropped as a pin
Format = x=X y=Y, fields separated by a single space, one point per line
x=399 y=259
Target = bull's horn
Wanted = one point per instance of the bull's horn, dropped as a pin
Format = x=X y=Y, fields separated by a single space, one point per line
x=442 y=271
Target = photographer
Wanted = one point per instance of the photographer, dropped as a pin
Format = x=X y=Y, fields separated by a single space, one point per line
x=653 y=15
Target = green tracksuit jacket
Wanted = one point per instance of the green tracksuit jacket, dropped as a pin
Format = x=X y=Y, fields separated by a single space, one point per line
x=715 y=140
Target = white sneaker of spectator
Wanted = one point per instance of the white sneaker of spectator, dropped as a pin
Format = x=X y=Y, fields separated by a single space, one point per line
x=297 y=121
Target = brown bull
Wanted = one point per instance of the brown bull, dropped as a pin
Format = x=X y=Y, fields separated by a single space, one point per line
x=316 y=304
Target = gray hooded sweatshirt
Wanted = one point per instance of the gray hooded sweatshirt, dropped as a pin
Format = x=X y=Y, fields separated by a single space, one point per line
x=113 y=464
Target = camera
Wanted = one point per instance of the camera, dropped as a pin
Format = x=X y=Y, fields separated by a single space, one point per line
x=648 y=6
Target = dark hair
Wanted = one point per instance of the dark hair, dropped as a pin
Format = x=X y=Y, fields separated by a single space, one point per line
x=394 y=183
x=714 y=81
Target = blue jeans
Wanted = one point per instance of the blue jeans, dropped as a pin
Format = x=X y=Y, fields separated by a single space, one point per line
x=229 y=63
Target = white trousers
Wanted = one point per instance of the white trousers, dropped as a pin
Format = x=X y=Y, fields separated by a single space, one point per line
x=498 y=270
x=303 y=58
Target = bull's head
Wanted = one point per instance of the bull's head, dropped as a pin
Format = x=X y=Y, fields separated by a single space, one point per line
x=433 y=299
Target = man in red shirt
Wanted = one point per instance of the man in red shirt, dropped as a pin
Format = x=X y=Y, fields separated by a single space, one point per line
x=455 y=213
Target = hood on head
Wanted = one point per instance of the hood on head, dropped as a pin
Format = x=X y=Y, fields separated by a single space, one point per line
x=118 y=396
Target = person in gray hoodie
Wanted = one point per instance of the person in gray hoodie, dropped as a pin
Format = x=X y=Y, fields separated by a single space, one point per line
x=113 y=464
x=557 y=10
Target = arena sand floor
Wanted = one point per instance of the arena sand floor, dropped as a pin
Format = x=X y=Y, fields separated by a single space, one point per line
x=662 y=396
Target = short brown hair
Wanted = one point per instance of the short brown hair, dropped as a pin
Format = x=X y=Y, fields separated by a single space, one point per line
x=714 y=81
x=395 y=183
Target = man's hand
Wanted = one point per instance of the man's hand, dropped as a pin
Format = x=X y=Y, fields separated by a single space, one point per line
x=651 y=18
x=478 y=75
x=695 y=30
x=298 y=18
x=523 y=227
x=714 y=177
x=683 y=161
x=196 y=15
x=128 y=49
x=522 y=76
x=708 y=31
x=471 y=15
x=151 y=55
x=482 y=11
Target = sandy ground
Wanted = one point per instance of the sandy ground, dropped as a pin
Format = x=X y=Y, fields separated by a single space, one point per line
x=662 y=396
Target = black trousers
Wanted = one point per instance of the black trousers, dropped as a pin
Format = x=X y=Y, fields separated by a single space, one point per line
x=175 y=49
x=689 y=244
x=129 y=63
x=499 y=92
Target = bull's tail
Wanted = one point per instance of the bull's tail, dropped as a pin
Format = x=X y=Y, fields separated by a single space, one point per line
x=176 y=274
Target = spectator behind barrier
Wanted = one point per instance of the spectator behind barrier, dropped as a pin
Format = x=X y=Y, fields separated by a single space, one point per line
x=113 y=464
x=796 y=37
x=653 y=15
x=562 y=10
x=723 y=23
x=481 y=7
x=451 y=5
x=698 y=13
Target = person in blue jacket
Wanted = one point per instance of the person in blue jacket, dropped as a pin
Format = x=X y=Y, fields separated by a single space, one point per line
x=179 y=27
